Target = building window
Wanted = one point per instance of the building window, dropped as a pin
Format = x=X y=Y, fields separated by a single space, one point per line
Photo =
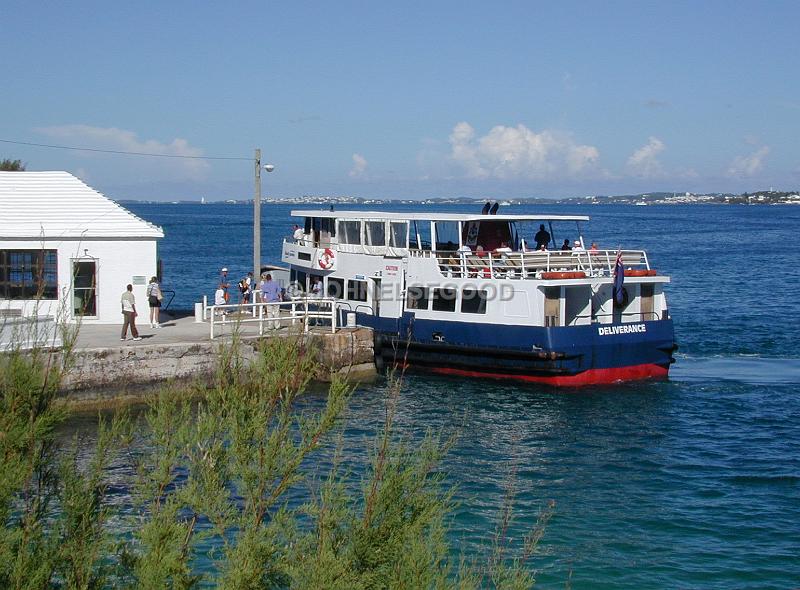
x=444 y=300
x=357 y=290
x=28 y=274
x=473 y=301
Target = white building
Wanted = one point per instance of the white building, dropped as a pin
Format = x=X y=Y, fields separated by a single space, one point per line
x=67 y=251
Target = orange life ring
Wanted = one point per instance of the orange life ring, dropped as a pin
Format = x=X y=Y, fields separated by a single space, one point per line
x=326 y=259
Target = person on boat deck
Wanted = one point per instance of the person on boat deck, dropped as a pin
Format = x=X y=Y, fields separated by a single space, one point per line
x=576 y=246
x=542 y=237
x=480 y=251
x=503 y=249
x=543 y=248
x=298 y=234
x=566 y=246
x=316 y=287
x=594 y=247
x=465 y=249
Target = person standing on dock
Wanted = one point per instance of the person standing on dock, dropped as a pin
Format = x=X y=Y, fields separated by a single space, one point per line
x=154 y=300
x=128 y=302
x=271 y=293
x=246 y=288
x=223 y=282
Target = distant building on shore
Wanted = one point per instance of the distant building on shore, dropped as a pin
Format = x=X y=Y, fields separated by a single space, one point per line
x=67 y=251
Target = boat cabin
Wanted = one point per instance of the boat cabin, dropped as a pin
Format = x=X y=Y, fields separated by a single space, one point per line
x=469 y=268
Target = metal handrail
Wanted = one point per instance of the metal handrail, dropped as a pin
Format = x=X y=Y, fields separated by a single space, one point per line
x=654 y=316
x=172 y=296
x=531 y=265
x=301 y=310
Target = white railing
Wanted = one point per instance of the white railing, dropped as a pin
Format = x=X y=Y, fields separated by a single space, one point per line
x=531 y=265
x=307 y=312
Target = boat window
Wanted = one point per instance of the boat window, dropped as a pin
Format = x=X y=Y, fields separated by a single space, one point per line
x=417 y=298
x=356 y=290
x=398 y=234
x=376 y=233
x=421 y=235
x=444 y=300
x=335 y=288
x=446 y=235
x=473 y=301
x=349 y=232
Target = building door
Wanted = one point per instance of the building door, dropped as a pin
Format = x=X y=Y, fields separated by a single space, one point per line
x=84 y=288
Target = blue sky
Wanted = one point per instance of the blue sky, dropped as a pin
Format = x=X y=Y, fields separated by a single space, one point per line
x=506 y=99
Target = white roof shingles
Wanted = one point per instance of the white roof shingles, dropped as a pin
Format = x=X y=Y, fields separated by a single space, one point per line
x=58 y=205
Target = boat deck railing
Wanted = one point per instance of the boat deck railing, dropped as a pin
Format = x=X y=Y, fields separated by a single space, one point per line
x=532 y=265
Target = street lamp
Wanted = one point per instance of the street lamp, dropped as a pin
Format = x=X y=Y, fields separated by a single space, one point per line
x=257 y=216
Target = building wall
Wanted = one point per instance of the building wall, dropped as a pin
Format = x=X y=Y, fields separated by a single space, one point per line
x=118 y=262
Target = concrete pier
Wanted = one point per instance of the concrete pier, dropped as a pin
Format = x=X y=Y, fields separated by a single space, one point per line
x=105 y=368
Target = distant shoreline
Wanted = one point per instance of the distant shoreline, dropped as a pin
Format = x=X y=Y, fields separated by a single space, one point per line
x=756 y=198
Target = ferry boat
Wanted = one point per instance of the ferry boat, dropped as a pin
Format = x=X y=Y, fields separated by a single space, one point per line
x=465 y=294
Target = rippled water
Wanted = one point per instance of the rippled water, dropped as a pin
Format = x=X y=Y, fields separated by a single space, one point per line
x=689 y=483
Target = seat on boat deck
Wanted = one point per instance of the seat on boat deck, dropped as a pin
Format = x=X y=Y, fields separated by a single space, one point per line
x=476 y=265
x=451 y=266
x=507 y=264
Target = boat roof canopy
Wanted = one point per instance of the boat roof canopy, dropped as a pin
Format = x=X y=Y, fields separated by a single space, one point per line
x=372 y=215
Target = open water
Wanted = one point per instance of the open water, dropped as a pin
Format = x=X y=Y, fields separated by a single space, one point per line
x=689 y=483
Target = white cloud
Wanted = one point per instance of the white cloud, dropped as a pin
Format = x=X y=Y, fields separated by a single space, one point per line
x=509 y=153
x=749 y=165
x=111 y=138
x=359 y=169
x=644 y=161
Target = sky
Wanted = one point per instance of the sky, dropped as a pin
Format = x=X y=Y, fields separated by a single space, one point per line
x=405 y=99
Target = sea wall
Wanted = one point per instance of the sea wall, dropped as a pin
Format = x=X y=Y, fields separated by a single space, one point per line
x=96 y=375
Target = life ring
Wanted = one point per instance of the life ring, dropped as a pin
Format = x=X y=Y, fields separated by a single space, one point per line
x=548 y=276
x=326 y=259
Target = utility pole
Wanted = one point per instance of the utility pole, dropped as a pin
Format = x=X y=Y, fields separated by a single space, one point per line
x=257 y=223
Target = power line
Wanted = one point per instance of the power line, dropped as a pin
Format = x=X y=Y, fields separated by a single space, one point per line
x=124 y=153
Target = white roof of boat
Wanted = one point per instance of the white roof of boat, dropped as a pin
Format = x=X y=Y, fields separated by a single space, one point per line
x=60 y=205
x=432 y=216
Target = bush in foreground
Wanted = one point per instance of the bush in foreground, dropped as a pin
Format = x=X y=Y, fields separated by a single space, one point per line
x=216 y=468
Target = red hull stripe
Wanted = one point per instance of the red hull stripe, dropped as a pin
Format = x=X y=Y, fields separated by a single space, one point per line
x=590 y=377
